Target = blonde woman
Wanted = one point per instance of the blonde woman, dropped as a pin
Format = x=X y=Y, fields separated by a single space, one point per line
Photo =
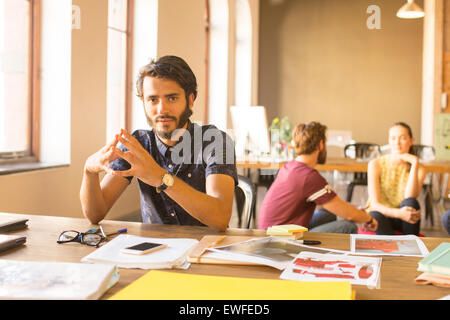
x=394 y=183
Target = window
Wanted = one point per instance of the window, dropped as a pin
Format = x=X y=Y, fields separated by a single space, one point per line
x=232 y=57
x=19 y=84
x=218 y=63
x=243 y=54
x=132 y=38
x=119 y=48
x=145 y=39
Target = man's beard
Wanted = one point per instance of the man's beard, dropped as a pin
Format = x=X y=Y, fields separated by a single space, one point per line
x=180 y=122
x=322 y=158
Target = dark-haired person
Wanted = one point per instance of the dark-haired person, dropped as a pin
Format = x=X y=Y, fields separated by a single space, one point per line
x=299 y=188
x=394 y=182
x=186 y=172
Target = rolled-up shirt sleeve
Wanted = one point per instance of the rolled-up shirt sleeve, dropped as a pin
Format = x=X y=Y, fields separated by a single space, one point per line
x=318 y=189
x=219 y=155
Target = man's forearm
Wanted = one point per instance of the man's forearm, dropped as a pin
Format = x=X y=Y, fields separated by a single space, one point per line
x=212 y=211
x=92 y=201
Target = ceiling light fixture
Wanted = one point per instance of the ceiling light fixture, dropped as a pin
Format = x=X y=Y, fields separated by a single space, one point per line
x=410 y=11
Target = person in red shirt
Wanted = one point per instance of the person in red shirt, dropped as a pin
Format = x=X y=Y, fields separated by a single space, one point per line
x=299 y=188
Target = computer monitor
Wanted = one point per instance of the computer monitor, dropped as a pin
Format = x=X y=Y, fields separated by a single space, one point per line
x=250 y=130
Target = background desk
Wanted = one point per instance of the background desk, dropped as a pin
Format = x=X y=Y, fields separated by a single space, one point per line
x=397 y=273
x=342 y=164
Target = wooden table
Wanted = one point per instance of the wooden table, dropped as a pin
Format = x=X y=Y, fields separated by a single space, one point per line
x=397 y=273
x=341 y=164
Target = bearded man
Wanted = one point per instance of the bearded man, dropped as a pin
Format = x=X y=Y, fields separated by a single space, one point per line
x=194 y=188
x=299 y=188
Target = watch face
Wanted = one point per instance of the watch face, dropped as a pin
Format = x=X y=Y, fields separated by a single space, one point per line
x=168 y=179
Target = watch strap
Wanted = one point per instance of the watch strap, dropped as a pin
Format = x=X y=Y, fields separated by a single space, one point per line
x=163 y=186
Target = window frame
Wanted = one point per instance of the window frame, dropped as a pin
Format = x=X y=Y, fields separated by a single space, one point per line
x=34 y=43
x=127 y=108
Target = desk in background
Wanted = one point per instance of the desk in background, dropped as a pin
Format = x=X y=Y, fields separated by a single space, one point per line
x=342 y=164
x=397 y=273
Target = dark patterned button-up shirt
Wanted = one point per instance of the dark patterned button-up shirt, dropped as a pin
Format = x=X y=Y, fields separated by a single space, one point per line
x=202 y=150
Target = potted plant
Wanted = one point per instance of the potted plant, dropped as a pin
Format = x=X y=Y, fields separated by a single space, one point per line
x=280 y=135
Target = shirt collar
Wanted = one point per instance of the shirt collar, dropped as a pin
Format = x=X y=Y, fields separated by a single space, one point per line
x=162 y=147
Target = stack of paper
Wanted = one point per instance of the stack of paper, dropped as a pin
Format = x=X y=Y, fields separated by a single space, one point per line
x=160 y=285
x=55 y=280
x=174 y=256
x=436 y=266
x=287 y=231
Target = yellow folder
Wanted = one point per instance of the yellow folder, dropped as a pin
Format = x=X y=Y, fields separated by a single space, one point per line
x=163 y=285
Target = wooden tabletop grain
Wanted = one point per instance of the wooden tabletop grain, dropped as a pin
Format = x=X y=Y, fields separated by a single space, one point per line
x=397 y=273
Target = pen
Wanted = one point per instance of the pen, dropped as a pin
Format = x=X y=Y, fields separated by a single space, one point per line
x=310 y=242
x=103 y=232
x=118 y=231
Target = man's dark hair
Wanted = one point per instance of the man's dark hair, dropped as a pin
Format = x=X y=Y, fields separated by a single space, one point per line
x=172 y=68
x=307 y=137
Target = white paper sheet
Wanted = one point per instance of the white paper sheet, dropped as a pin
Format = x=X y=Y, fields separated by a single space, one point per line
x=311 y=266
x=175 y=255
x=409 y=245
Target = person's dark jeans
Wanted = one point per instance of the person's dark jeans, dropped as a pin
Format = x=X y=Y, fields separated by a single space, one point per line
x=388 y=225
x=446 y=221
x=324 y=221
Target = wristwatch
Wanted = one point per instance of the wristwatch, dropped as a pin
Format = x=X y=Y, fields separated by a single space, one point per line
x=166 y=182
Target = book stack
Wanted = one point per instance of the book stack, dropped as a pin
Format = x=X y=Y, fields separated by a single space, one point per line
x=436 y=267
x=287 y=231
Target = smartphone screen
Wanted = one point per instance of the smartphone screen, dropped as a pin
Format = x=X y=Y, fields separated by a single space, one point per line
x=144 y=247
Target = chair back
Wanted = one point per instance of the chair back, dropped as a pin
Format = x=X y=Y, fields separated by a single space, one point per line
x=424 y=152
x=249 y=190
x=362 y=150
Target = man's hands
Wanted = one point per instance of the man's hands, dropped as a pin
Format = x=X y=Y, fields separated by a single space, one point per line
x=143 y=166
x=372 y=226
x=100 y=160
x=408 y=214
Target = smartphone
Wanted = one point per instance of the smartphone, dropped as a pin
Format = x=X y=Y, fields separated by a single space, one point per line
x=144 y=248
